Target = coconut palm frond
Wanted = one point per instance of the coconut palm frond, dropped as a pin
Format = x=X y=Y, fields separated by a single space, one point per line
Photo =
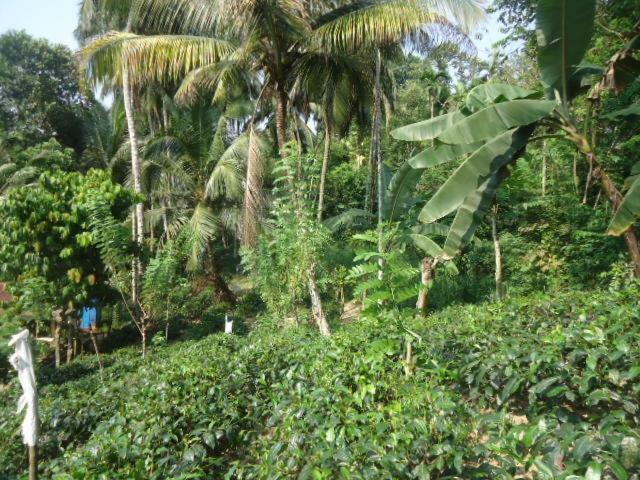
x=219 y=79
x=178 y=16
x=165 y=145
x=225 y=181
x=150 y=58
x=7 y=170
x=204 y=226
x=370 y=24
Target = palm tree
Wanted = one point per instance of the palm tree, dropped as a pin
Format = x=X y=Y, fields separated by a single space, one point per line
x=263 y=37
x=193 y=172
x=333 y=83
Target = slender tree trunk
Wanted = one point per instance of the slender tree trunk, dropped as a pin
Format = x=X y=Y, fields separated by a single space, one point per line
x=253 y=198
x=588 y=181
x=95 y=347
x=371 y=176
x=33 y=462
x=136 y=166
x=138 y=217
x=544 y=170
x=409 y=360
x=281 y=119
x=595 y=204
x=144 y=339
x=69 y=341
x=166 y=325
x=498 y=258
x=576 y=178
x=427 y=276
x=57 y=326
x=325 y=161
x=377 y=128
x=316 y=304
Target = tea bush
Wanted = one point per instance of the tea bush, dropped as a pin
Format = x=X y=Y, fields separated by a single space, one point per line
x=530 y=388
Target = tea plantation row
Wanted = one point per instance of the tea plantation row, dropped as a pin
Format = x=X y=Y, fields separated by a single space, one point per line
x=531 y=388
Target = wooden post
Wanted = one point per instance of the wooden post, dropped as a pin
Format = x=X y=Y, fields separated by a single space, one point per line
x=95 y=347
x=33 y=463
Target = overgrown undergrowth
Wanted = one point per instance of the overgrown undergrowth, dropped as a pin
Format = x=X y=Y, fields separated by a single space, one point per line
x=532 y=388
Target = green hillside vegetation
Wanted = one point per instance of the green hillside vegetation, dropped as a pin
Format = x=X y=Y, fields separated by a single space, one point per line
x=541 y=384
x=345 y=239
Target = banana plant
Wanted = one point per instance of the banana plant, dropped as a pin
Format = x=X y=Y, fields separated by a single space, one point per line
x=629 y=210
x=488 y=133
x=496 y=123
x=398 y=200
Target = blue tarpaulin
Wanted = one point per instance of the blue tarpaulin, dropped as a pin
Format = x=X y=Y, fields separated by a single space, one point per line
x=90 y=317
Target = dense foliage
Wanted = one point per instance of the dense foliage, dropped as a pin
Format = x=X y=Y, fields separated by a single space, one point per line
x=40 y=95
x=546 y=387
x=424 y=259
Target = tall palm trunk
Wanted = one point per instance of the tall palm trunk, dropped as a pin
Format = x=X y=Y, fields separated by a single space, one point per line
x=377 y=153
x=56 y=327
x=281 y=118
x=326 y=157
x=253 y=191
x=138 y=215
x=222 y=291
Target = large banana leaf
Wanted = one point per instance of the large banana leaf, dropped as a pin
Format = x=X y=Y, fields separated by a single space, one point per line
x=427 y=129
x=427 y=245
x=483 y=95
x=470 y=214
x=474 y=172
x=400 y=190
x=495 y=119
x=632 y=112
x=440 y=154
x=432 y=249
x=628 y=212
x=564 y=29
x=431 y=229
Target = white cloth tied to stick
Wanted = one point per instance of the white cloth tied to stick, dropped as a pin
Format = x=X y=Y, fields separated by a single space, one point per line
x=22 y=361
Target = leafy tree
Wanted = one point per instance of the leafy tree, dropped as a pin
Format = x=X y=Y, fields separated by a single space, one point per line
x=193 y=174
x=22 y=167
x=47 y=244
x=40 y=94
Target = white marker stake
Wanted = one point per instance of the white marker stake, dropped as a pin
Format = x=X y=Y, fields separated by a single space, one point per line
x=228 y=324
x=22 y=361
